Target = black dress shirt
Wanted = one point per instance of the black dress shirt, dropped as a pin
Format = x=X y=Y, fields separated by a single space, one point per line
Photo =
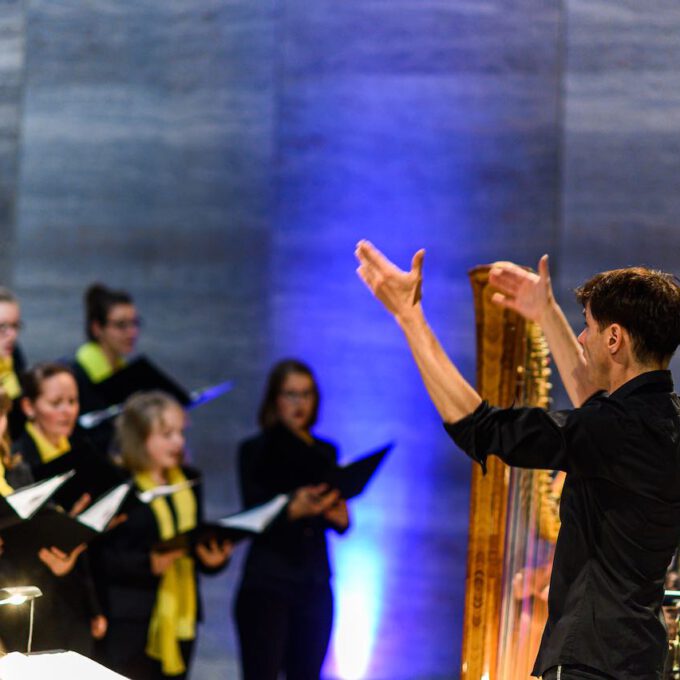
x=620 y=514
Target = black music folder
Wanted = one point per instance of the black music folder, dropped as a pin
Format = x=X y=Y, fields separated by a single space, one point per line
x=142 y=375
x=21 y=505
x=52 y=527
x=351 y=479
x=233 y=528
x=95 y=473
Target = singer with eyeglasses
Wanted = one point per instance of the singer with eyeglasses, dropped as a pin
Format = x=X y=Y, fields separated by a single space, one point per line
x=12 y=360
x=284 y=608
x=112 y=326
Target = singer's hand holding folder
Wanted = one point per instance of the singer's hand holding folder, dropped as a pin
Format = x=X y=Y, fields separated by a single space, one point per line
x=52 y=527
x=231 y=528
x=25 y=502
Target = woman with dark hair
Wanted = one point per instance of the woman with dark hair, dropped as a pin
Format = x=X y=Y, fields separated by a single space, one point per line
x=112 y=328
x=284 y=608
x=69 y=615
x=151 y=594
x=50 y=445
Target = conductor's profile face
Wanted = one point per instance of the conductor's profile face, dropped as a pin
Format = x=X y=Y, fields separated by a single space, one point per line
x=594 y=343
x=296 y=401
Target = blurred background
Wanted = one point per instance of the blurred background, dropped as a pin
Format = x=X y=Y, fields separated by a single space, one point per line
x=219 y=159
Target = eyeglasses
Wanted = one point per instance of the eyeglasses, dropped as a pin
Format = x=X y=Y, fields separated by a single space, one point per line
x=294 y=395
x=126 y=324
x=5 y=328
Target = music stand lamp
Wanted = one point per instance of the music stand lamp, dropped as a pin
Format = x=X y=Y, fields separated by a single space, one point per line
x=18 y=595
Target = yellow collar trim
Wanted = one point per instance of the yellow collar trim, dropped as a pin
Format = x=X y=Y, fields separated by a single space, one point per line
x=46 y=449
x=8 y=378
x=95 y=363
x=5 y=488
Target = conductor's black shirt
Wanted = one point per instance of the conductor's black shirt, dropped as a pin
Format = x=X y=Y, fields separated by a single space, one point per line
x=620 y=515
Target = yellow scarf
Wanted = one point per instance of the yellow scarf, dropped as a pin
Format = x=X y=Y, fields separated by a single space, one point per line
x=46 y=449
x=5 y=488
x=8 y=378
x=95 y=363
x=174 y=615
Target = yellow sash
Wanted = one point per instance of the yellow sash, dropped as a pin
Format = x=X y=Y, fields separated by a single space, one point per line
x=46 y=449
x=174 y=615
x=95 y=363
x=5 y=488
x=8 y=378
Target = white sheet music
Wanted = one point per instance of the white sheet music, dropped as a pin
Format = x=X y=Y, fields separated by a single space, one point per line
x=165 y=490
x=256 y=519
x=27 y=500
x=99 y=514
x=53 y=665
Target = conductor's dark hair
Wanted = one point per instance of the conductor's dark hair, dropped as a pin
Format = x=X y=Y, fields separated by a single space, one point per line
x=268 y=415
x=645 y=302
x=99 y=300
x=32 y=380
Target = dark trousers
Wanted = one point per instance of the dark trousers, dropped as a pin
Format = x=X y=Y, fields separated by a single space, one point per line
x=123 y=652
x=284 y=631
x=574 y=672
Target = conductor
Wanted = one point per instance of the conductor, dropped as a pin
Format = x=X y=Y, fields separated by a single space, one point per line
x=620 y=448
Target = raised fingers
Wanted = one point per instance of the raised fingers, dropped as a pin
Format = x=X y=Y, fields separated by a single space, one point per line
x=507 y=277
x=369 y=255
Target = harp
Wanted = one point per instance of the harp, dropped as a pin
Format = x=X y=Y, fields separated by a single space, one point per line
x=513 y=513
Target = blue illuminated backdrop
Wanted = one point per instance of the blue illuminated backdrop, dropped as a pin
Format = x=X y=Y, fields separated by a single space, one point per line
x=413 y=129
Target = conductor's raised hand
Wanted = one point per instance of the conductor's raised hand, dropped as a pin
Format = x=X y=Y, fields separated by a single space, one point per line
x=399 y=291
x=525 y=292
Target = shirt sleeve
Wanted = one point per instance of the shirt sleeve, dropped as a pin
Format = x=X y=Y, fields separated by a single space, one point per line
x=575 y=440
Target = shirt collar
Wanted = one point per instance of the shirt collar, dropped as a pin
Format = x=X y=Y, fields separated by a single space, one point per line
x=651 y=381
x=46 y=449
x=95 y=363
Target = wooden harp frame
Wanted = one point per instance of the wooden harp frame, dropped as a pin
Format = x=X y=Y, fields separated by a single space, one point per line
x=513 y=513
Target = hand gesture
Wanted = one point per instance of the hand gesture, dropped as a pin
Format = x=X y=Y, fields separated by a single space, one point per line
x=311 y=501
x=98 y=627
x=58 y=562
x=214 y=554
x=162 y=561
x=399 y=291
x=524 y=292
x=80 y=505
x=116 y=521
x=337 y=514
